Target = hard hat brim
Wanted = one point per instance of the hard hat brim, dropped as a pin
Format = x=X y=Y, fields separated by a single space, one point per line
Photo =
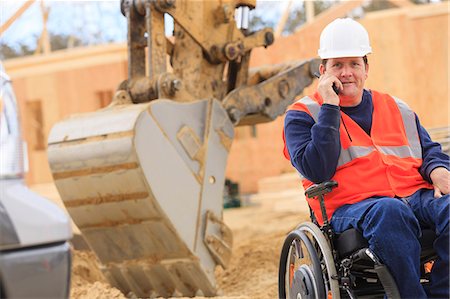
x=337 y=54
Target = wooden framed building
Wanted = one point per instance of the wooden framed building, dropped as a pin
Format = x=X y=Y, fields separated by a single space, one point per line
x=410 y=60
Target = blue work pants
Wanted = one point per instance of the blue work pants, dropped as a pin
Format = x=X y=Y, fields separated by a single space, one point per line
x=392 y=227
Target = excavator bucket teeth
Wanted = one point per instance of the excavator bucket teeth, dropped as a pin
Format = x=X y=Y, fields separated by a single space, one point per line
x=141 y=183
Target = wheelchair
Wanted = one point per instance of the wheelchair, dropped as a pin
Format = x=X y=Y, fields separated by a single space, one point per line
x=316 y=263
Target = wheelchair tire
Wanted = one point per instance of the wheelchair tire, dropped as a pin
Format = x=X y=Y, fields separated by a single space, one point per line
x=300 y=279
x=312 y=277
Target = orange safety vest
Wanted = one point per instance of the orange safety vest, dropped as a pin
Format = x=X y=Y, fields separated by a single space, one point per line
x=386 y=163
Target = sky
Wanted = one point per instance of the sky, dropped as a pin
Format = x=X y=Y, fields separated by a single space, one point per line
x=92 y=20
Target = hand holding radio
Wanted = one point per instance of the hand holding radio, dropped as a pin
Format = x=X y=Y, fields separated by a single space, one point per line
x=328 y=88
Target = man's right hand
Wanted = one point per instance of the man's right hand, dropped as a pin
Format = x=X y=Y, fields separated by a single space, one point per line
x=440 y=177
x=325 y=89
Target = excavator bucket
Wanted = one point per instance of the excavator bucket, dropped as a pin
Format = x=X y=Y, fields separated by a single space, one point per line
x=144 y=184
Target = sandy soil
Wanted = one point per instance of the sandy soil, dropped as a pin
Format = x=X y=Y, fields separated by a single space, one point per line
x=258 y=231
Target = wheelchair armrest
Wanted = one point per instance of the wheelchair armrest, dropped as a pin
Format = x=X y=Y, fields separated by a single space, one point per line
x=320 y=189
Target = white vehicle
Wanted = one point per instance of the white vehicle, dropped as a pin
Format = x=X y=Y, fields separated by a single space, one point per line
x=35 y=256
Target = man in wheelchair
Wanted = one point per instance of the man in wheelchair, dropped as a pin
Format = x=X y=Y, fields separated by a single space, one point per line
x=383 y=203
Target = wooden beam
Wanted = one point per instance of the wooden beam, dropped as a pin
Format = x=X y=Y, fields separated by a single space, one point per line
x=283 y=19
x=15 y=16
x=337 y=11
x=309 y=8
x=44 y=40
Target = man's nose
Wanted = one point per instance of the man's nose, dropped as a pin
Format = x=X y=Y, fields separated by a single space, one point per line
x=346 y=71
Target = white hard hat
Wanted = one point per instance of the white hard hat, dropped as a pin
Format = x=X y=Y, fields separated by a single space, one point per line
x=344 y=38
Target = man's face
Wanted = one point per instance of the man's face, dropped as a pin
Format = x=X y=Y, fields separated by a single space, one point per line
x=352 y=72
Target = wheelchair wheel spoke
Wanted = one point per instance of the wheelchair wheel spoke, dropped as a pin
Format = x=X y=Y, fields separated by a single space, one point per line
x=306 y=270
x=325 y=256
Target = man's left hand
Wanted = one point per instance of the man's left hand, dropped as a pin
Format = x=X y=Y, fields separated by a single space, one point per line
x=440 y=177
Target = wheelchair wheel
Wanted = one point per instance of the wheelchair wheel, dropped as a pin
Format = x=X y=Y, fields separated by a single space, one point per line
x=307 y=265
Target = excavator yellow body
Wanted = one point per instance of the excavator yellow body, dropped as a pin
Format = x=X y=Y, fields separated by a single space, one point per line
x=143 y=178
x=146 y=192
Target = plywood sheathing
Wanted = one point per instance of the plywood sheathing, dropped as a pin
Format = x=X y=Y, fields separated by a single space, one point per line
x=410 y=60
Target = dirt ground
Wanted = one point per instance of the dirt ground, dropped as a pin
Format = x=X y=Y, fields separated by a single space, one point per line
x=258 y=229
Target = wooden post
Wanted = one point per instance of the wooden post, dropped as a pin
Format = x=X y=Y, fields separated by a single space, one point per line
x=309 y=8
x=14 y=17
x=283 y=20
x=325 y=17
x=44 y=41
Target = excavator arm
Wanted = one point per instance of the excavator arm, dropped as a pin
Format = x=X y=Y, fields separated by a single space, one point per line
x=143 y=178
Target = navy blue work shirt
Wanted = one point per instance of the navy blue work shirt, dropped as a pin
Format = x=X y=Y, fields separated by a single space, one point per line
x=314 y=148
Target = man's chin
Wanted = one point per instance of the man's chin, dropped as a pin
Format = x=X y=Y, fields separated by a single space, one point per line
x=347 y=94
x=350 y=91
x=349 y=98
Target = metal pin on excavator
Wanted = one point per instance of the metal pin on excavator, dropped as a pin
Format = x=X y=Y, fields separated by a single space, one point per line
x=143 y=178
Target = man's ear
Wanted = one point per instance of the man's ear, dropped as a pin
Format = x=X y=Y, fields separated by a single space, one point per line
x=322 y=69
x=367 y=70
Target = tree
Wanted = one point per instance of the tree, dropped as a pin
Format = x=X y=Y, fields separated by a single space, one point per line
x=295 y=20
x=64 y=41
x=57 y=42
x=7 y=51
x=260 y=17
x=378 y=5
x=298 y=16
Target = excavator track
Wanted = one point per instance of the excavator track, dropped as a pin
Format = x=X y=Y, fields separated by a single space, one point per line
x=140 y=202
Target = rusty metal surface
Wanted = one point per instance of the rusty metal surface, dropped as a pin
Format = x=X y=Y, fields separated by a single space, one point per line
x=136 y=41
x=269 y=99
x=218 y=244
x=199 y=77
x=198 y=57
x=156 y=41
x=141 y=203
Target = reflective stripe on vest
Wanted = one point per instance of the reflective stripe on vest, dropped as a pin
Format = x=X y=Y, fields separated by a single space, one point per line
x=414 y=149
x=312 y=105
x=353 y=152
x=409 y=121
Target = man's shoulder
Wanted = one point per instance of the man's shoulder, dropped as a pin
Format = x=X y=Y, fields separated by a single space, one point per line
x=309 y=99
x=297 y=107
x=376 y=95
x=303 y=104
x=390 y=100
